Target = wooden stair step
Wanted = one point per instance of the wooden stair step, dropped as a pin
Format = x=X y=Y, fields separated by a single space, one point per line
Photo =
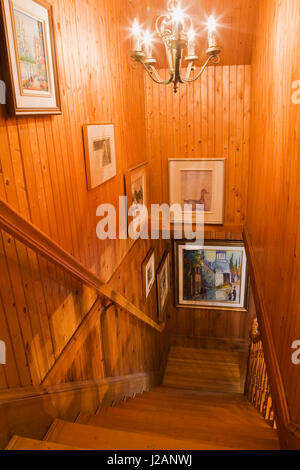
x=187 y=403
x=98 y=438
x=204 y=369
x=24 y=443
x=184 y=409
x=250 y=435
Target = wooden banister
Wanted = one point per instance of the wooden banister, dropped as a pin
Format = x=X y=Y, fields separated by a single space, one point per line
x=257 y=387
x=23 y=230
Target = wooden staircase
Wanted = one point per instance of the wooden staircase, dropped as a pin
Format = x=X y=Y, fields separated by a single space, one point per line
x=200 y=406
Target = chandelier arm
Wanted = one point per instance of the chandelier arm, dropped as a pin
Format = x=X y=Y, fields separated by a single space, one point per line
x=190 y=80
x=189 y=69
x=152 y=71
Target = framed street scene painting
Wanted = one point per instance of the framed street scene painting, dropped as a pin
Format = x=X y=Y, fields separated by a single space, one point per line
x=100 y=153
x=29 y=56
x=163 y=286
x=213 y=275
x=148 y=272
x=199 y=184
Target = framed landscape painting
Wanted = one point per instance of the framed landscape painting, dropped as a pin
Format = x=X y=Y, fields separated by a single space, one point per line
x=148 y=272
x=29 y=57
x=163 y=286
x=213 y=275
x=137 y=197
x=199 y=184
x=100 y=153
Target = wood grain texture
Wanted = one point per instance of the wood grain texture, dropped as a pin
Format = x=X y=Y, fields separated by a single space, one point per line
x=42 y=176
x=209 y=118
x=19 y=406
x=273 y=201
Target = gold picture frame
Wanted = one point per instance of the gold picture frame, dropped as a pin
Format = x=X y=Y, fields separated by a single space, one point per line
x=100 y=153
x=163 y=285
x=197 y=182
x=148 y=274
x=29 y=57
x=136 y=190
x=212 y=276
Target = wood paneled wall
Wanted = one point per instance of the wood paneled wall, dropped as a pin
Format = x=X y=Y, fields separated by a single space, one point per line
x=42 y=175
x=209 y=118
x=273 y=221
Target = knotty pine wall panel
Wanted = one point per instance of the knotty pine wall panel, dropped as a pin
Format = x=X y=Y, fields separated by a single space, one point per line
x=209 y=118
x=274 y=196
x=42 y=175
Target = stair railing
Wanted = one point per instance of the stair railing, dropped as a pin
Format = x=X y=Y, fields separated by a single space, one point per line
x=23 y=230
x=257 y=387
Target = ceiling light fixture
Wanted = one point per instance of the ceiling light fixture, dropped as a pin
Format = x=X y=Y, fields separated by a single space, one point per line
x=175 y=28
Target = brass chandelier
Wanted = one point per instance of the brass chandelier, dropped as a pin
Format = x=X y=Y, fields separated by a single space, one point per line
x=175 y=28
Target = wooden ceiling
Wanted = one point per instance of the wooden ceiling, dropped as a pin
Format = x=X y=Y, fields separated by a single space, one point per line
x=235 y=17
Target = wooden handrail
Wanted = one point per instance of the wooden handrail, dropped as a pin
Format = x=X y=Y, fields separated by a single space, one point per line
x=20 y=228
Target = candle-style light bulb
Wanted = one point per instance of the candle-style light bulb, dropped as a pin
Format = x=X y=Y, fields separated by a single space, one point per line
x=148 y=44
x=212 y=26
x=178 y=19
x=191 y=42
x=136 y=32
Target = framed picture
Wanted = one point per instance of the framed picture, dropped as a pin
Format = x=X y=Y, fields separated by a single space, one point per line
x=100 y=153
x=148 y=272
x=213 y=275
x=200 y=184
x=163 y=286
x=29 y=57
x=137 y=196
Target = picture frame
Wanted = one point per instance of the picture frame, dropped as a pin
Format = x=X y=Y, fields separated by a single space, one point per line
x=163 y=284
x=148 y=273
x=211 y=276
x=29 y=57
x=100 y=153
x=136 y=190
x=198 y=181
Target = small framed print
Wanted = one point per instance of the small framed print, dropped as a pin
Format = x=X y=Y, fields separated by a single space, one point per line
x=100 y=153
x=213 y=275
x=137 y=197
x=29 y=57
x=199 y=185
x=148 y=272
x=163 y=286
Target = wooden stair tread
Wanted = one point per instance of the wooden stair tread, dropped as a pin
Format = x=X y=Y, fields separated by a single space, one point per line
x=203 y=369
x=98 y=438
x=197 y=413
x=24 y=443
x=250 y=433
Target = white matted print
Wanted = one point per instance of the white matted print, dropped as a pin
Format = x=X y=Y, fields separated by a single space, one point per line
x=31 y=66
x=148 y=272
x=200 y=184
x=100 y=153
